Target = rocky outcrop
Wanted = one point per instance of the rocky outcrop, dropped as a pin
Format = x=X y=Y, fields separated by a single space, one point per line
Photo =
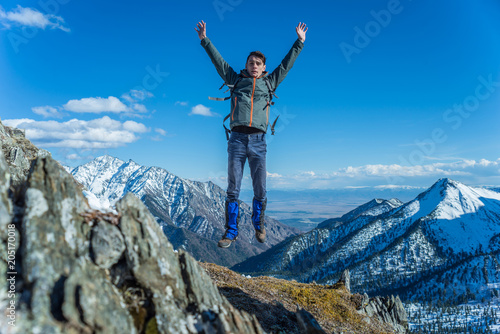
x=18 y=152
x=388 y=310
x=345 y=279
x=82 y=271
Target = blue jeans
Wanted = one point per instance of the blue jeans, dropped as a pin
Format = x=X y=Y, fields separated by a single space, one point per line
x=240 y=147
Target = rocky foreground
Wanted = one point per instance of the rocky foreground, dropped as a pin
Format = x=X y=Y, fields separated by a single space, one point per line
x=74 y=270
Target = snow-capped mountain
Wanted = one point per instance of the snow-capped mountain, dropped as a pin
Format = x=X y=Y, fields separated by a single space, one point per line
x=177 y=203
x=444 y=244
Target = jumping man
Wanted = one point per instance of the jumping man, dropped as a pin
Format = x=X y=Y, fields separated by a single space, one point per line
x=251 y=92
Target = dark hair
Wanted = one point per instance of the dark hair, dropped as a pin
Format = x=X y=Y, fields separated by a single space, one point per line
x=257 y=54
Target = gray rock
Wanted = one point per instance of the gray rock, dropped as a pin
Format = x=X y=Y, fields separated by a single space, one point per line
x=388 y=310
x=345 y=279
x=54 y=240
x=17 y=133
x=18 y=151
x=5 y=202
x=18 y=158
x=365 y=300
x=307 y=323
x=5 y=220
x=107 y=244
x=153 y=263
x=92 y=302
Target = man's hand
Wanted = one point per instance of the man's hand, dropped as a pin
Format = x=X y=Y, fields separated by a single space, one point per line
x=301 y=31
x=202 y=33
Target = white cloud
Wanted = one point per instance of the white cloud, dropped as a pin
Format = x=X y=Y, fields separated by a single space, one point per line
x=203 y=111
x=96 y=105
x=30 y=17
x=94 y=134
x=73 y=156
x=48 y=111
x=15 y=122
x=445 y=169
x=135 y=95
x=182 y=103
x=394 y=176
x=396 y=187
x=135 y=127
x=161 y=131
x=139 y=107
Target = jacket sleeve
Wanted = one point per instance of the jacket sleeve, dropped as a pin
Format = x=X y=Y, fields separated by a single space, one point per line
x=277 y=76
x=225 y=71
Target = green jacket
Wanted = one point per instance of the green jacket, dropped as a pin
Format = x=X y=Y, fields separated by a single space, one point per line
x=249 y=102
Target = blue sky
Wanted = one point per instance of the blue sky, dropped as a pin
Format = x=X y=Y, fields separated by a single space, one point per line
x=385 y=93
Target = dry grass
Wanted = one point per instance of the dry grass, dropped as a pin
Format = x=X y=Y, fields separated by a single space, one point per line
x=275 y=301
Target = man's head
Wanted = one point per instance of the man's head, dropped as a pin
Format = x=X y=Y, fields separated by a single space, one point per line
x=256 y=63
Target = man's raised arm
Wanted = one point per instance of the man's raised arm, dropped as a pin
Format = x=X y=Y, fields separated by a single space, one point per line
x=277 y=76
x=225 y=71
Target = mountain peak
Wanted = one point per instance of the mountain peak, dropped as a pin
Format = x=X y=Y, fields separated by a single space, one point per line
x=437 y=193
x=103 y=161
x=446 y=182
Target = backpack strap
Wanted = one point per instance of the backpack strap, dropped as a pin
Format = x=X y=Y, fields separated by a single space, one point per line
x=225 y=128
x=273 y=125
x=271 y=91
x=270 y=102
x=231 y=88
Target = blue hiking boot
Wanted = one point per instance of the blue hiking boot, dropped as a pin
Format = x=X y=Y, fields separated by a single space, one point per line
x=258 y=216
x=232 y=220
